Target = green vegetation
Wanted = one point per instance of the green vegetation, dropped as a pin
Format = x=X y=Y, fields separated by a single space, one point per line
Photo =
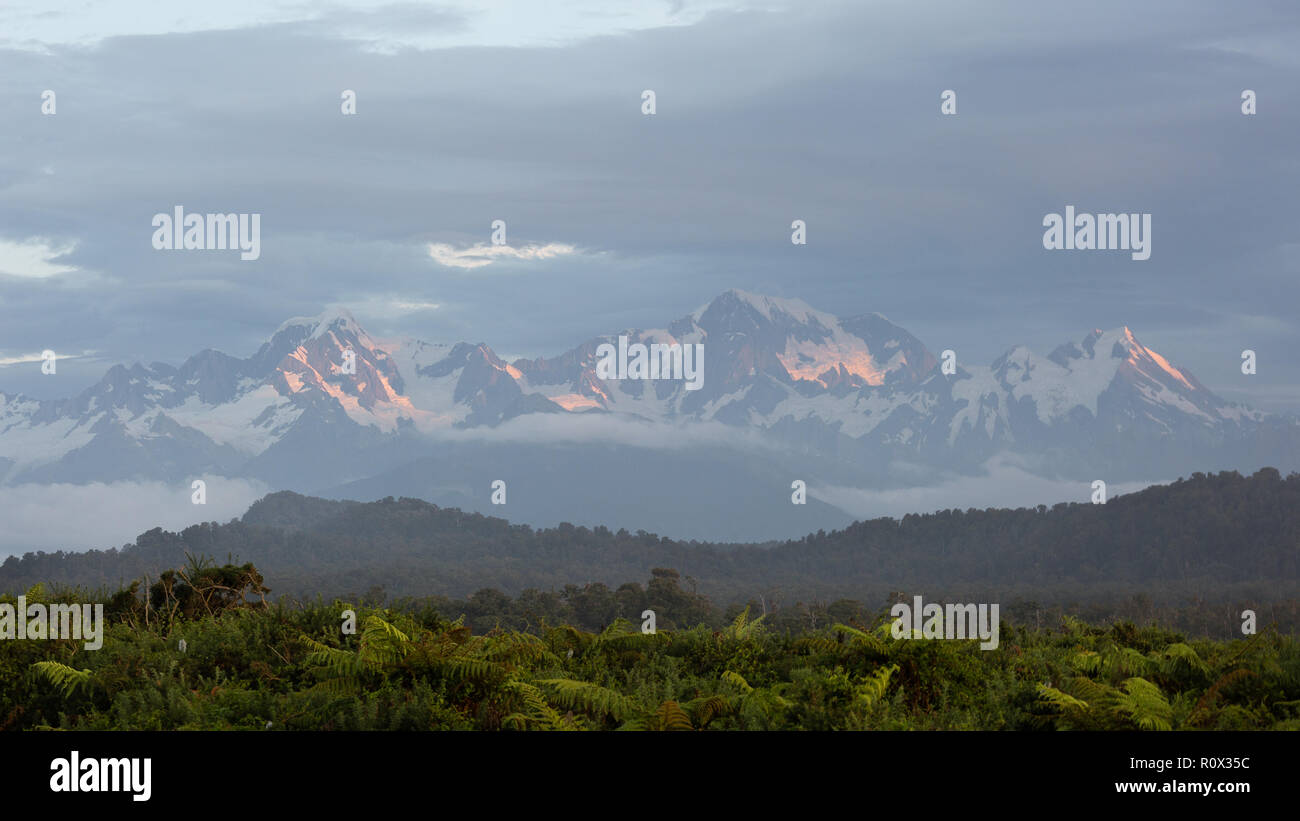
x=249 y=664
x=1190 y=555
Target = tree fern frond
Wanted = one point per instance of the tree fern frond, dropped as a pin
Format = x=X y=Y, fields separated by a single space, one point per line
x=622 y=632
x=743 y=627
x=341 y=668
x=1145 y=705
x=539 y=711
x=1127 y=661
x=515 y=721
x=862 y=637
x=382 y=644
x=706 y=708
x=592 y=698
x=1088 y=690
x=817 y=644
x=1088 y=661
x=512 y=647
x=671 y=716
x=66 y=679
x=738 y=681
x=1180 y=659
x=873 y=688
x=476 y=670
x=1062 y=701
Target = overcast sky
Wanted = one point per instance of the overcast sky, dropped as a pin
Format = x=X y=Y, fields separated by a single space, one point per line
x=530 y=112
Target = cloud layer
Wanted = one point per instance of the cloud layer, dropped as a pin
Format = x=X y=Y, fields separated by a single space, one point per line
x=823 y=112
x=1005 y=484
x=98 y=515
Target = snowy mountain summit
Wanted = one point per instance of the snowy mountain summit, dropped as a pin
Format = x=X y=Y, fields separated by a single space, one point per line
x=322 y=402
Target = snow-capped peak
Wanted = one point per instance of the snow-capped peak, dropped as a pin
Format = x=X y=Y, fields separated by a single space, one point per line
x=777 y=365
x=1077 y=374
x=338 y=319
x=1121 y=343
x=768 y=306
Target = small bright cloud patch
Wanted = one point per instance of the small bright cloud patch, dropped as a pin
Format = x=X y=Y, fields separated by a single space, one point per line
x=34 y=257
x=477 y=256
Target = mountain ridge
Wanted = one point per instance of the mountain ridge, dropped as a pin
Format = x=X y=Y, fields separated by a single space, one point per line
x=1213 y=537
x=856 y=401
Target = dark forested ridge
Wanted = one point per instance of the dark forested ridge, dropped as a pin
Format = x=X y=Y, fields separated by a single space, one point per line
x=1211 y=538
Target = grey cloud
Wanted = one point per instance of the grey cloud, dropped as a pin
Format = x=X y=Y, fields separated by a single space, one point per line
x=1005 y=483
x=826 y=113
x=98 y=515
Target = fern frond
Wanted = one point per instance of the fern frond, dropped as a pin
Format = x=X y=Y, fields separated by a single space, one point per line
x=743 y=627
x=1130 y=662
x=706 y=708
x=1062 y=701
x=591 y=698
x=538 y=711
x=512 y=648
x=382 y=644
x=342 y=669
x=1178 y=659
x=738 y=681
x=1145 y=705
x=476 y=670
x=622 y=632
x=65 y=678
x=816 y=644
x=1088 y=690
x=873 y=688
x=862 y=637
x=671 y=716
x=1089 y=661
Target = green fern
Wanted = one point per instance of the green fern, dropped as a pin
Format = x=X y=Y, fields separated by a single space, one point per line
x=1064 y=702
x=1145 y=705
x=622 y=633
x=342 y=669
x=862 y=638
x=382 y=644
x=873 y=688
x=671 y=716
x=738 y=681
x=742 y=628
x=1182 y=661
x=705 y=709
x=591 y=698
x=476 y=670
x=1089 y=661
x=538 y=712
x=67 y=679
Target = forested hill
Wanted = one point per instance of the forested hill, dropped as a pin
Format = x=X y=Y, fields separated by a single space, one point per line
x=1202 y=537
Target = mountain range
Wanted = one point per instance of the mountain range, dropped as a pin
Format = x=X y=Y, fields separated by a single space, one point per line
x=788 y=393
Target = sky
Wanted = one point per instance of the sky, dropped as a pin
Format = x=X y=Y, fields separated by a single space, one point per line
x=531 y=113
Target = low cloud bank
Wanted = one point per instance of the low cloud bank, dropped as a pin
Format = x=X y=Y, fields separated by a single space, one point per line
x=1005 y=484
x=103 y=515
x=608 y=428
